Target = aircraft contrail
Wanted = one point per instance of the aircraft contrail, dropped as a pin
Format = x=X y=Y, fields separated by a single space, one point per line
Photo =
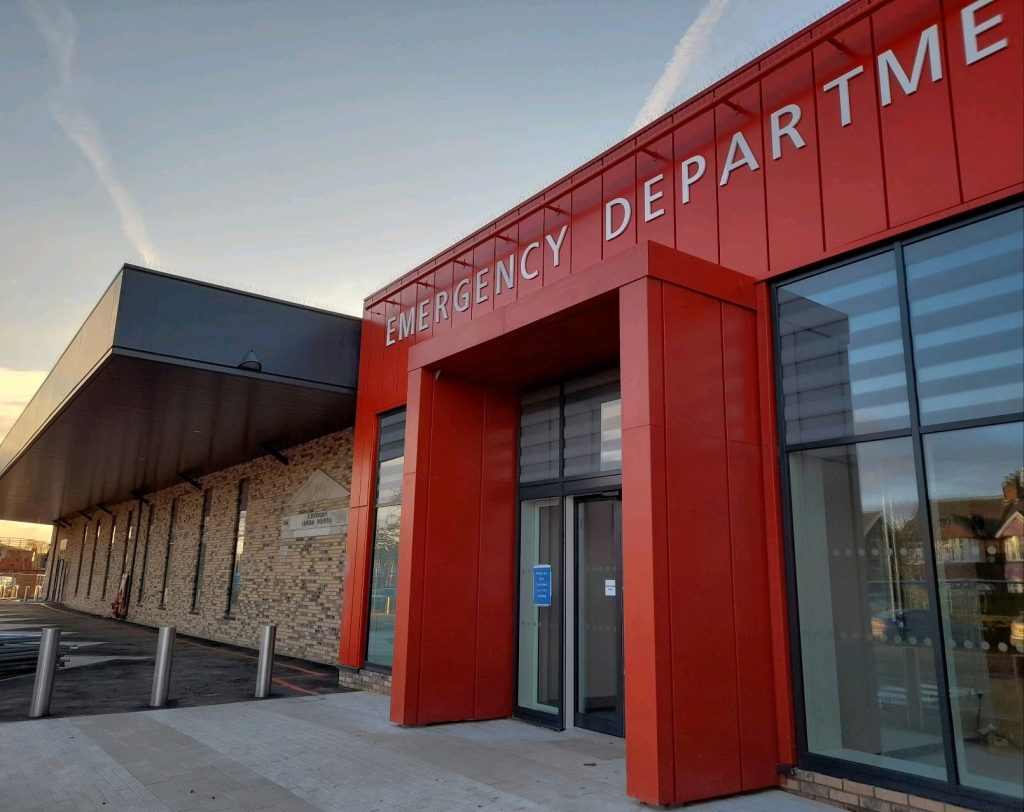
x=57 y=26
x=689 y=50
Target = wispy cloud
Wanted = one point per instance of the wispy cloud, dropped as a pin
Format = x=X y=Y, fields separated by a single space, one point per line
x=694 y=45
x=57 y=26
x=17 y=386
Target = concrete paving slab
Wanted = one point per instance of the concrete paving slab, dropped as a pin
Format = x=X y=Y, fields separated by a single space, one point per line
x=335 y=752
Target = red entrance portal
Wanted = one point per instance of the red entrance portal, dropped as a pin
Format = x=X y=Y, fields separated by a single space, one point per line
x=699 y=704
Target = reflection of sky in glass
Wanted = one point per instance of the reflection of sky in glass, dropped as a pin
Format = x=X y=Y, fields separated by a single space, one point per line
x=992 y=248
x=885 y=472
x=972 y=462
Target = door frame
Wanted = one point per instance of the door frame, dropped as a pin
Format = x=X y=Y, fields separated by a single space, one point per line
x=567 y=491
x=594 y=723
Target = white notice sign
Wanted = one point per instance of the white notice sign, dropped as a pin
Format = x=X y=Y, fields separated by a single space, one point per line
x=312 y=523
x=609 y=588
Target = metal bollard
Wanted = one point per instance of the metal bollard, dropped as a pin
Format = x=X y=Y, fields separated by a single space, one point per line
x=49 y=642
x=265 y=664
x=162 y=670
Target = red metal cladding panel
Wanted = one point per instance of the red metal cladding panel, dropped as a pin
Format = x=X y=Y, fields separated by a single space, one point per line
x=557 y=214
x=424 y=289
x=442 y=316
x=390 y=357
x=917 y=129
x=483 y=283
x=447 y=657
x=791 y=166
x=408 y=297
x=650 y=753
x=703 y=639
x=703 y=654
x=697 y=349
x=409 y=628
x=753 y=631
x=773 y=536
x=353 y=615
x=742 y=231
x=587 y=225
x=495 y=617
x=989 y=126
x=654 y=196
x=531 y=233
x=506 y=252
x=462 y=289
x=617 y=217
x=495 y=614
x=739 y=353
x=852 y=179
x=696 y=199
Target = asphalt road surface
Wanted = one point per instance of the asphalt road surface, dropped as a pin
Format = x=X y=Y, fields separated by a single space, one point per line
x=112 y=668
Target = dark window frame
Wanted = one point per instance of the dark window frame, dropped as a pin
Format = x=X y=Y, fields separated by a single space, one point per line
x=92 y=558
x=110 y=550
x=145 y=550
x=241 y=503
x=81 y=557
x=950 y=791
x=167 y=553
x=559 y=487
x=200 y=570
x=381 y=417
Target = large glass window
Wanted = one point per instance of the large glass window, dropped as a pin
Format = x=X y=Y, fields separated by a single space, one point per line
x=966 y=288
x=572 y=430
x=540 y=435
x=975 y=479
x=841 y=352
x=380 y=642
x=867 y=634
x=902 y=393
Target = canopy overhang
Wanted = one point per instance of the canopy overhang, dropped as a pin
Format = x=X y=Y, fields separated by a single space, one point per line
x=151 y=391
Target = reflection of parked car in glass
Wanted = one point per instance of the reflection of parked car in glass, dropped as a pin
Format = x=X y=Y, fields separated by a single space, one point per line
x=900 y=625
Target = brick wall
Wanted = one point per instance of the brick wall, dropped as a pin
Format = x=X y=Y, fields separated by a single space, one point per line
x=852 y=795
x=295 y=583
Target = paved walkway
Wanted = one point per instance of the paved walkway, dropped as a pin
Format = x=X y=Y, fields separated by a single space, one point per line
x=335 y=752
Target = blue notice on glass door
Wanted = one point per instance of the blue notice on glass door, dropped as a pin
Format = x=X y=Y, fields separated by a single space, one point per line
x=542 y=585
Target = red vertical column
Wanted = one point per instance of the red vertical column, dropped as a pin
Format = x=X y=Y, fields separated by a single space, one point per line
x=650 y=758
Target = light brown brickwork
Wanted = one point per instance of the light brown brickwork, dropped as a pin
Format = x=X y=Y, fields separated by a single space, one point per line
x=295 y=583
x=364 y=679
x=854 y=795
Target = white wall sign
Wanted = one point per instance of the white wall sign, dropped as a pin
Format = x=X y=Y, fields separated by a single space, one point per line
x=311 y=523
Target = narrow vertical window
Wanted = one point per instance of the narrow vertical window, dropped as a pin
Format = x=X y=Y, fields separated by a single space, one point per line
x=197 y=589
x=235 y=587
x=81 y=557
x=128 y=541
x=110 y=548
x=387 y=522
x=167 y=555
x=145 y=552
x=92 y=558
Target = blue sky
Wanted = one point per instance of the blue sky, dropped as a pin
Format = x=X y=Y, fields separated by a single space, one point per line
x=308 y=150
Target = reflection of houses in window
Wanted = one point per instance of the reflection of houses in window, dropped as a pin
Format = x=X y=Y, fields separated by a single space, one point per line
x=979 y=556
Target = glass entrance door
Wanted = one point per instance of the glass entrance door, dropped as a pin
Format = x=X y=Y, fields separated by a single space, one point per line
x=541 y=610
x=598 y=586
